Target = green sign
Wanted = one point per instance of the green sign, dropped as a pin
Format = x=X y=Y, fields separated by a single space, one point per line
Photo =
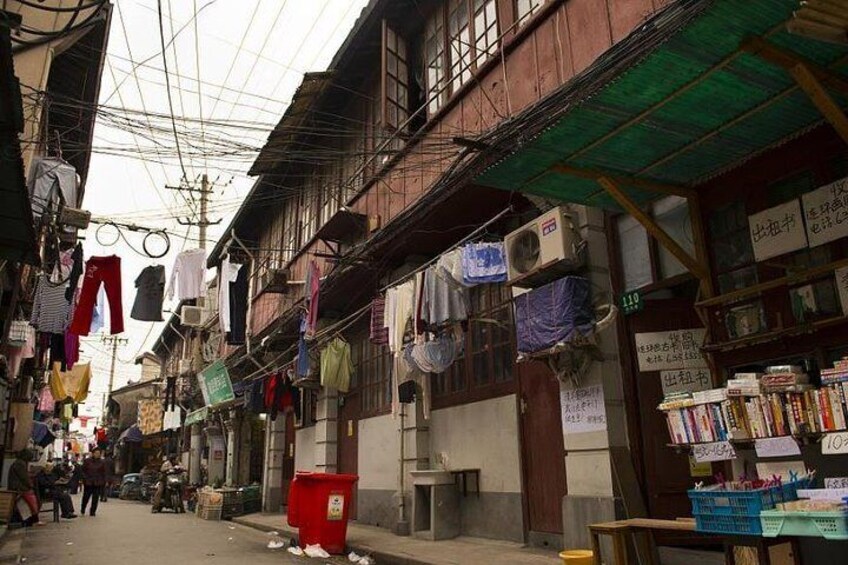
x=197 y=416
x=631 y=302
x=215 y=384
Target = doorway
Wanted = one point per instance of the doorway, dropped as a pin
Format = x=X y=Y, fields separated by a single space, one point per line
x=348 y=441
x=543 y=449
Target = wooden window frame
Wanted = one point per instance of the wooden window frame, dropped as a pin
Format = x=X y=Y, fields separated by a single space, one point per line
x=471 y=389
x=530 y=14
x=457 y=75
x=372 y=376
x=395 y=83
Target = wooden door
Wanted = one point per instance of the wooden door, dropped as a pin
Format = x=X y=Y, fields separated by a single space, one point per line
x=288 y=456
x=348 y=440
x=666 y=473
x=542 y=447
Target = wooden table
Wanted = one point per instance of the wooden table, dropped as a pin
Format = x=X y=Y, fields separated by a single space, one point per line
x=642 y=531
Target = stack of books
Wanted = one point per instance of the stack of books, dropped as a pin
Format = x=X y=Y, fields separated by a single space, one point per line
x=780 y=402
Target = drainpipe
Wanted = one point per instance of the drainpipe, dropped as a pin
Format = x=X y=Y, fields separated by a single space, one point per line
x=402 y=523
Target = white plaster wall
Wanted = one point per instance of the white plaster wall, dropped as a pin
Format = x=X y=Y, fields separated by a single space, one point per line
x=304 y=449
x=482 y=435
x=378 y=453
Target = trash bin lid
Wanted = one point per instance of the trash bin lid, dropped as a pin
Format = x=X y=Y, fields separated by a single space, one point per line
x=331 y=477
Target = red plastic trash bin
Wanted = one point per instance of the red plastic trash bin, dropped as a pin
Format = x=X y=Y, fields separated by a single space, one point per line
x=318 y=506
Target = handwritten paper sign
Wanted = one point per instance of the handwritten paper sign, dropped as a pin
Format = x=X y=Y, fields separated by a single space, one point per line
x=665 y=351
x=777 y=231
x=785 y=446
x=835 y=444
x=718 y=451
x=685 y=380
x=699 y=469
x=842 y=287
x=583 y=410
x=826 y=212
x=836 y=482
x=836 y=494
x=782 y=469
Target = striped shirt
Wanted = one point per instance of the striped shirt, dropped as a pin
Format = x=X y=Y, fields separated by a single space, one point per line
x=51 y=311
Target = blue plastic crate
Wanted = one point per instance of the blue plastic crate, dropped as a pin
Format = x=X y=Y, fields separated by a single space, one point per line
x=738 y=512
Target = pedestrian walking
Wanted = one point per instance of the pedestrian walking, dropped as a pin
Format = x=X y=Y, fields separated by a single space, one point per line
x=110 y=478
x=93 y=480
x=20 y=482
x=76 y=475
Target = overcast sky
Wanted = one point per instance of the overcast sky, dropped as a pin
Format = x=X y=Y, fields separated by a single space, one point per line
x=252 y=55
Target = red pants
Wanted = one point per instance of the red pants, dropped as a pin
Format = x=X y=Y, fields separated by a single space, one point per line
x=106 y=270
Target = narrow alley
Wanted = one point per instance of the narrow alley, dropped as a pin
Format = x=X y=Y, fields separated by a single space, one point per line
x=127 y=533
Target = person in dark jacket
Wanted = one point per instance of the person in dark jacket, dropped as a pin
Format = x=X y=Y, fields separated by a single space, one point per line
x=48 y=480
x=20 y=482
x=93 y=480
x=110 y=478
x=76 y=475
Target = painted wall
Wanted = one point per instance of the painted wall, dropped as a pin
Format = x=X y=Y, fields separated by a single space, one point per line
x=304 y=449
x=377 y=461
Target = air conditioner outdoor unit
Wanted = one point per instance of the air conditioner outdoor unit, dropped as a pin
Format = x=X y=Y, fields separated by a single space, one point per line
x=192 y=316
x=184 y=366
x=544 y=249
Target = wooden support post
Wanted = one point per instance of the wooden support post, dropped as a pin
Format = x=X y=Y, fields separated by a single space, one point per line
x=821 y=99
x=787 y=59
x=691 y=264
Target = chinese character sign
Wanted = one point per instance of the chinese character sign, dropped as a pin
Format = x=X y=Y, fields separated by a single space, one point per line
x=583 y=410
x=216 y=381
x=777 y=231
x=666 y=351
x=685 y=380
x=826 y=212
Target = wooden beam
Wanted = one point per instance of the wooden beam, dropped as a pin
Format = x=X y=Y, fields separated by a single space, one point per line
x=699 y=237
x=814 y=30
x=786 y=59
x=691 y=264
x=821 y=99
x=593 y=174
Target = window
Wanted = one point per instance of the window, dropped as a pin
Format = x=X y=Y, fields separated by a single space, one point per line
x=395 y=96
x=486 y=367
x=644 y=261
x=469 y=29
x=373 y=374
x=524 y=9
x=733 y=253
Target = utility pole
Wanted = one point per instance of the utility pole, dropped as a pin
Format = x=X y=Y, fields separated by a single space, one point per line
x=114 y=341
x=203 y=221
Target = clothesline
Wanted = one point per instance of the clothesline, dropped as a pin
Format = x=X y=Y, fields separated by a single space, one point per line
x=348 y=321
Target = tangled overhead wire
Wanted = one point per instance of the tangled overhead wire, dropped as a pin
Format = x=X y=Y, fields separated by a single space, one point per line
x=160 y=233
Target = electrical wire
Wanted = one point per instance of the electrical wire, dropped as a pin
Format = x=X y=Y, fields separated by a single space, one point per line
x=119 y=235
x=168 y=88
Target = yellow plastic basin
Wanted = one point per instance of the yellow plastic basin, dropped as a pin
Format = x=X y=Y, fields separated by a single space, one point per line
x=577 y=557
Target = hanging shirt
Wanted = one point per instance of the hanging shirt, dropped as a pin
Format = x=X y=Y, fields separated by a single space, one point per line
x=189 y=268
x=400 y=302
x=227 y=274
x=71 y=384
x=336 y=365
x=148 y=299
x=483 y=263
x=313 y=285
x=50 y=180
x=444 y=300
x=51 y=312
x=379 y=332
x=76 y=271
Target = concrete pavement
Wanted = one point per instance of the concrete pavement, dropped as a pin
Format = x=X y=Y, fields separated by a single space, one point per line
x=126 y=533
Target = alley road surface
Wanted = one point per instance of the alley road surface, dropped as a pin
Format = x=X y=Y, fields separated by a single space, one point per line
x=126 y=533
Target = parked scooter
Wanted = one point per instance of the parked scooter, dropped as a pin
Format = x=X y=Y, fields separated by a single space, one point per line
x=171 y=484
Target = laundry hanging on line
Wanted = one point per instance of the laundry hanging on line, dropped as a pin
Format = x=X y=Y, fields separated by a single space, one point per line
x=150 y=283
x=51 y=311
x=72 y=384
x=336 y=365
x=188 y=275
x=227 y=275
x=483 y=262
x=105 y=271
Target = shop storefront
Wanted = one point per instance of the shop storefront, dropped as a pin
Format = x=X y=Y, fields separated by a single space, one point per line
x=713 y=143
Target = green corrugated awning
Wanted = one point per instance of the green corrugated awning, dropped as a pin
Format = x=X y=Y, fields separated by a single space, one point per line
x=682 y=100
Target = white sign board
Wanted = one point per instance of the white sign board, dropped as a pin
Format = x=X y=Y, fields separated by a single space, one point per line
x=784 y=446
x=836 y=482
x=718 y=451
x=665 y=351
x=842 y=287
x=823 y=493
x=826 y=212
x=583 y=410
x=685 y=380
x=782 y=469
x=835 y=444
x=777 y=231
